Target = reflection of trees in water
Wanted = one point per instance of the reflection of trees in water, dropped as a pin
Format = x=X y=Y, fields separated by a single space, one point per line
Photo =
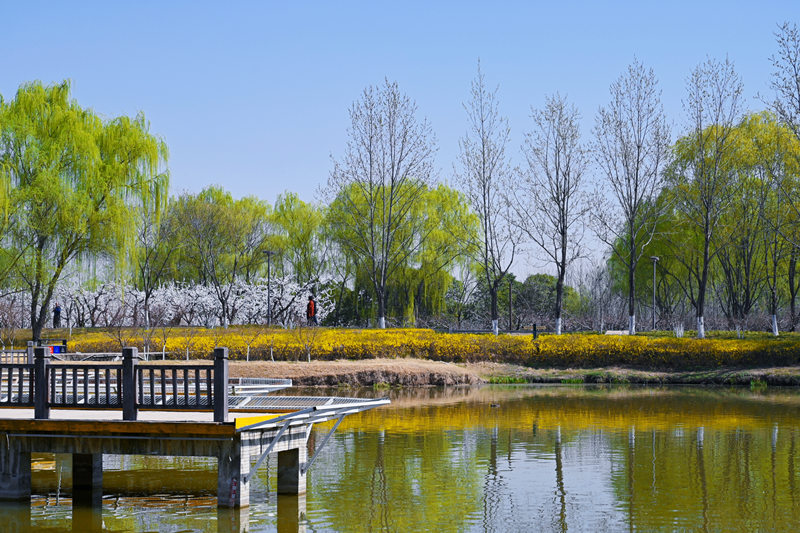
x=379 y=500
x=792 y=471
x=406 y=482
x=701 y=478
x=664 y=468
x=631 y=461
x=560 y=492
x=701 y=474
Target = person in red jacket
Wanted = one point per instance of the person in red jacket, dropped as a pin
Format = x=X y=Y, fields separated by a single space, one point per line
x=311 y=311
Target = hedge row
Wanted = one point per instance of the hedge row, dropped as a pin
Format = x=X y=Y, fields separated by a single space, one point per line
x=577 y=351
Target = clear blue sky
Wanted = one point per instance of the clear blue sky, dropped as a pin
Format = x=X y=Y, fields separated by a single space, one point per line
x=254 y=96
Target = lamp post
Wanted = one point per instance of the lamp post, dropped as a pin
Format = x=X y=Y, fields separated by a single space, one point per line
x=654 y=259
x=269 y=253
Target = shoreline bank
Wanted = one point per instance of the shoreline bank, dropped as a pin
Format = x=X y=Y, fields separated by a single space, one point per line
x=425 y=373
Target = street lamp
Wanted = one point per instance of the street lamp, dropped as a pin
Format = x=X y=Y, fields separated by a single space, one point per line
x=654 y=259
x=269 y=253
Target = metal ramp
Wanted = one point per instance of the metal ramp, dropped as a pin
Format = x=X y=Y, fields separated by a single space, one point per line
x=302 y=410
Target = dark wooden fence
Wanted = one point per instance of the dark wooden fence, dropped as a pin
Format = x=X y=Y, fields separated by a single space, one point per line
x=128 y=385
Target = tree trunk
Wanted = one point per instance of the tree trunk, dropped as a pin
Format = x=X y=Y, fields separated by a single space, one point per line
x=793 y=289
x=701 y=328
x=495 y=313
x=559 y=300
x=381 y=308
x=701 y=288
x=632 y=298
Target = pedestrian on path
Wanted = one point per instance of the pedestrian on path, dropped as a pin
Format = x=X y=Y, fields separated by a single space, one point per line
x=311 y=311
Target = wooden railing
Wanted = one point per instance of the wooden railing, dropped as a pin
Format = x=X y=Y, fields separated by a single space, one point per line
x=128 y=385
x=73 y=385
x=16 y=385
x=183 y=387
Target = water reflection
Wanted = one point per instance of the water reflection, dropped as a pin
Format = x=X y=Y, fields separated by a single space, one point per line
x=546 y=458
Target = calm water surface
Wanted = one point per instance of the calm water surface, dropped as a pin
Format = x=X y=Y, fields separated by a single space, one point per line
x=498 y=458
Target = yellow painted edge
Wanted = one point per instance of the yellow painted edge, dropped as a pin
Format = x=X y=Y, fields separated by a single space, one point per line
x=243 y=421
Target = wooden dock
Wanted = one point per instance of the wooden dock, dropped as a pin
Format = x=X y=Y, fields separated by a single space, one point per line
x=88 y=410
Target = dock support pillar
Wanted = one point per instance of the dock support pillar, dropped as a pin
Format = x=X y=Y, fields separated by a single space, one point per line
x=87 y=479
x=233 y=520
x=41 y=409
x=15 y=471
x=16 y=516
x=220 y=384
x=291 y=477
x=291 y=513
x=129 y=360
x=233 y=490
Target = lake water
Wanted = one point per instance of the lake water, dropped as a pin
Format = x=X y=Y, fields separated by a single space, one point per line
x=496 y=458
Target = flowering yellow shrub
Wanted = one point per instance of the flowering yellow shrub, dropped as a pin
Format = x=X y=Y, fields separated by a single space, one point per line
x=547 y=351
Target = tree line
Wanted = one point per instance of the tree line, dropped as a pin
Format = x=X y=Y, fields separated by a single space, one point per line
x=710 y=215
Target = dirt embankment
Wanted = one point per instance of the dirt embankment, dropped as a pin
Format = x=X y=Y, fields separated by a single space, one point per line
x=423 y=373
x=498 y=372
x=361 y=373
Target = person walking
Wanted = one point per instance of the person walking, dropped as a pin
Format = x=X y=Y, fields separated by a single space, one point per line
x=57 y=316
x=311 y=311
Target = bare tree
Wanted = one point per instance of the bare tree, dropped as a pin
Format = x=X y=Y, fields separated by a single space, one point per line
x=786 y=105
x=551 y=205
x=786 y=77
x=705 y=187
x=387 y=167
x=484 y=177
x=631 y=145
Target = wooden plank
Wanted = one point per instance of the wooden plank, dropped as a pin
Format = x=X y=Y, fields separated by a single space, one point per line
x=163 y=387
x=112 y=428
x=174 y=387
x=185 y=387
x=152 y=388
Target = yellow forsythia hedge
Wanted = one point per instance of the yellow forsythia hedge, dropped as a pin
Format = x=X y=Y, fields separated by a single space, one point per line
x=570 y=350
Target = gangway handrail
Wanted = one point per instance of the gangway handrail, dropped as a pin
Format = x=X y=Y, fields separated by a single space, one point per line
x=310 y=416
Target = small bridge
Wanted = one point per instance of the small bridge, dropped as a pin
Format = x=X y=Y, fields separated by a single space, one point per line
x=88 y=409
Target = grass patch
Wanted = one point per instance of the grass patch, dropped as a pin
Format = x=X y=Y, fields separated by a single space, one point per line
x=506 y=380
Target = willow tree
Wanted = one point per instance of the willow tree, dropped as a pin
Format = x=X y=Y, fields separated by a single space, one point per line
x=74 y=180
x=299 y=236
x=223 y=240
x=386 y=170
x=770 y=154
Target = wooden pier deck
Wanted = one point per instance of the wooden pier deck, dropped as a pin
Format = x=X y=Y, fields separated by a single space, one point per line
x=80 y=410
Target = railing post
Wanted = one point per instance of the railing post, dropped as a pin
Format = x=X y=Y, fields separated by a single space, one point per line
x=129 y=383
x=30 y=352
x=41 y=407
x=220 y=384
